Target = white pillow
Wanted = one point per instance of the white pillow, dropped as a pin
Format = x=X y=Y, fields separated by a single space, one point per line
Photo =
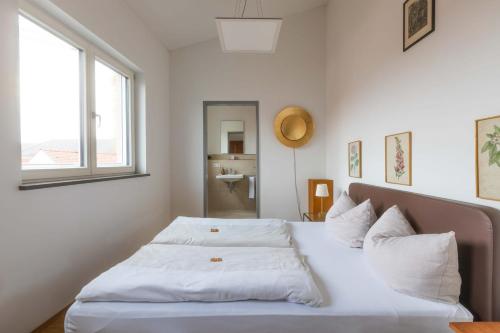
x=391 y=223
x=341 y=205
x=424 y=266
x=351 y=227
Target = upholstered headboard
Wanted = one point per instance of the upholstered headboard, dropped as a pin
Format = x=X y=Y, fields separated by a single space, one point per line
x=473 y=231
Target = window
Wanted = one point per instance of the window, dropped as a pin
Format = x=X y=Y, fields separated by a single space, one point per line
x=50 y=103
x=111 y=105
x=76 y=104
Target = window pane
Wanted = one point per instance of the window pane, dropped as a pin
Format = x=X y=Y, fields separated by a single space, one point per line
x=50 y=99
x=111 y=117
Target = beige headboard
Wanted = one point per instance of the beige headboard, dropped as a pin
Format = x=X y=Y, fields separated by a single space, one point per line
x=473 y=231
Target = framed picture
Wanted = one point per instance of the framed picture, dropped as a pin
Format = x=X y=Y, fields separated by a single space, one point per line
x=398 y=158
x=488 y=158
x=418 y=21
x=354 y=156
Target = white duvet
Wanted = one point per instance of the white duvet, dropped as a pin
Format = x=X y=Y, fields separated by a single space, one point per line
x=276 y=235
x=177 y=273
x=217 y=221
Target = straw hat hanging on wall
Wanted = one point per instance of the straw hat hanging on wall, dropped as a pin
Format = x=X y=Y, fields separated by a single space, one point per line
x=293 y=126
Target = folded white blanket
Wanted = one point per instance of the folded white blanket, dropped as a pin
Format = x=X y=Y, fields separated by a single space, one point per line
x=276 y=235
x=217 y=221
x=175 y=273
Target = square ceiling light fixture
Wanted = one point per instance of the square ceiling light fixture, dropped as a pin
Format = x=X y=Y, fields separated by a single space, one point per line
x=248 y=35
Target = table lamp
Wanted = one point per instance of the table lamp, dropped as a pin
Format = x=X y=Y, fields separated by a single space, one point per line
x=322 y=192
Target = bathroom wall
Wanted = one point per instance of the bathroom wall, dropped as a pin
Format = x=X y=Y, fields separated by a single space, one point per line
x=218 y=113
x=222 y=202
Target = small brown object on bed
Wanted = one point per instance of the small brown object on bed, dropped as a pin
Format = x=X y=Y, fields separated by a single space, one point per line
x=215 y=259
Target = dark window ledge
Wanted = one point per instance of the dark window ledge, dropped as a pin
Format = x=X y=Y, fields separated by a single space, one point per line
x=75 y=181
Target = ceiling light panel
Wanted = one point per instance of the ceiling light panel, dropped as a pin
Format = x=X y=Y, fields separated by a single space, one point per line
x=249 y=35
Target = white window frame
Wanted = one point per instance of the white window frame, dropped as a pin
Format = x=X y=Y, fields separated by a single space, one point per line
x=114 y=64
x=89 y=53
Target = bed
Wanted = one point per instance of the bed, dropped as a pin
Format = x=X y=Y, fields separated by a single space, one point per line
x=355 y=299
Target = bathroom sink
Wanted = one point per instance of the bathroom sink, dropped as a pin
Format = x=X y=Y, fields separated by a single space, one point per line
x=229 y=178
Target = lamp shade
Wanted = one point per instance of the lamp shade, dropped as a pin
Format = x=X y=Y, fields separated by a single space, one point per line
x=322 y=190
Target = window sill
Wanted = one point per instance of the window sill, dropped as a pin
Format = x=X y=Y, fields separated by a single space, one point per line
x=75 y=181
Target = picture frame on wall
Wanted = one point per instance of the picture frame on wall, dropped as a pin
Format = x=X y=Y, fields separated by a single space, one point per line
x=398 y=158
x=355 y=159
x=488 y=158
x=419 y=21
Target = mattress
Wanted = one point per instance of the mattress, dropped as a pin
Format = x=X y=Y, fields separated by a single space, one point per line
x=355 y=301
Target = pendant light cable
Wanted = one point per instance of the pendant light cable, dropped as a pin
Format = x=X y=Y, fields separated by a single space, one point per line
x=296 y=187
x=261 y=8
x=244 y=8
x=240 y=12
x=236 y=8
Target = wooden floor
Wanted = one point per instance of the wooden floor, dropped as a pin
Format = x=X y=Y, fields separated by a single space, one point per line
x=54 y=324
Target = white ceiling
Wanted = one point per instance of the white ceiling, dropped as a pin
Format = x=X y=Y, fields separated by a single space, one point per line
x=179 y=23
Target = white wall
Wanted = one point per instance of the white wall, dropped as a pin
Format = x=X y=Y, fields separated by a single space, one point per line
x=294 y=75
x=53 y=241
x=436 y=90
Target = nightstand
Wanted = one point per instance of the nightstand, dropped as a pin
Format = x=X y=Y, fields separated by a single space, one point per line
x=476 y=327
x=314 y=217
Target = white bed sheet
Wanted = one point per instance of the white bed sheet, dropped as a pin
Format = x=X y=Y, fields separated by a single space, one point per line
x=355 y=301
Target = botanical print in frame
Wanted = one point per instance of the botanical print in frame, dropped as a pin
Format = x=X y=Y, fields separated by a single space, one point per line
x=354 y=149
x=398 y=158
x=488 y=158
x=418 y=21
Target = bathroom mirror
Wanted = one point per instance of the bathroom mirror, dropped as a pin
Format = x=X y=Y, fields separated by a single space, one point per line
x=232 y=137
x=231 y=156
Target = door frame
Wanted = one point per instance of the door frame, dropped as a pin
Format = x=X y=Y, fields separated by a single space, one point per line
x=206 y=104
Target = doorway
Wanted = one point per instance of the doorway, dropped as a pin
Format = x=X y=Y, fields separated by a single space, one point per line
x=231 y=159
